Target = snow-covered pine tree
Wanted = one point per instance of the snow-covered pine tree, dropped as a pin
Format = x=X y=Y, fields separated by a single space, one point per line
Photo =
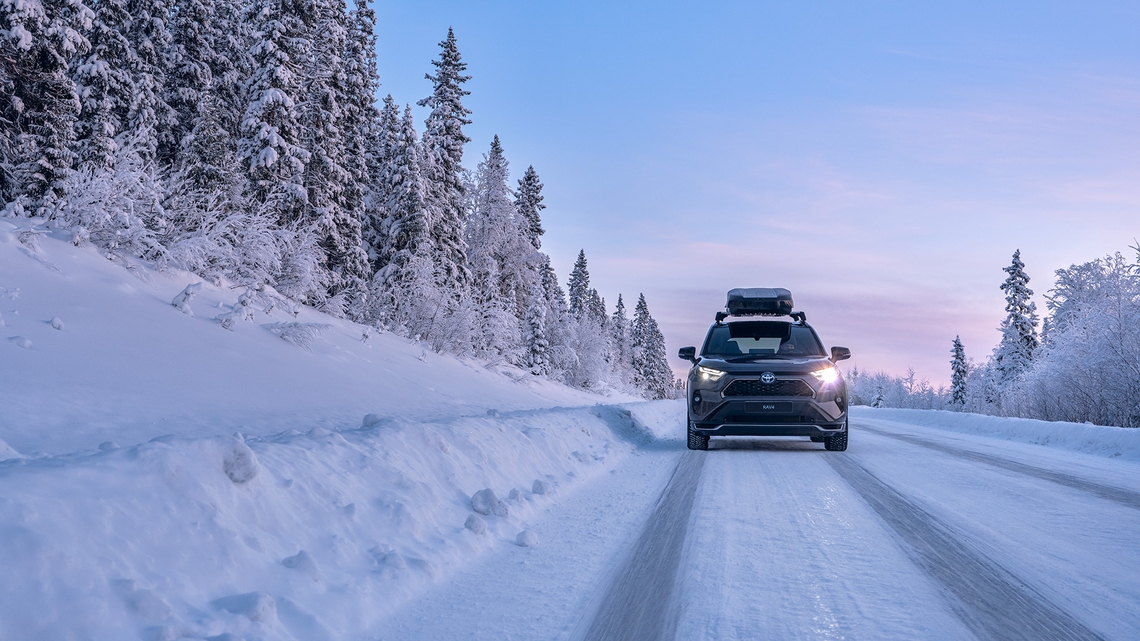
x=595 y=307
x=496 y=253
x=374 y=227
x=364 y=153
x=528 y=205
x=191 y=61
x=209 y=117
x=104 y=83
x=38 y=41
x=534 y=336
x=959 y=371
x=651 y=371
x=271 y=144
x=149 y=117
x=1014 y=353
x=619 y=347
x=334 y=196
x=443 y=143
x=579 y=285
x=405 y=231
x=271 y=138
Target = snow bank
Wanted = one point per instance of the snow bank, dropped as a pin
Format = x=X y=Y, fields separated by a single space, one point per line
x=131 y=365
x=162 y=477
x=288 y=536
x=660 y=420
x=1077 y=437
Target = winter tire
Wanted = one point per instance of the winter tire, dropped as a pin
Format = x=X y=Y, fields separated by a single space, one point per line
x=697 y=441
x=838 y=442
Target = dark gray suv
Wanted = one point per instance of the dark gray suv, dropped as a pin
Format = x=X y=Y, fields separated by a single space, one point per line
x=762 y=371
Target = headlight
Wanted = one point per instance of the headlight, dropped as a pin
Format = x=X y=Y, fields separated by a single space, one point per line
x=827 y=374
x=709 y=374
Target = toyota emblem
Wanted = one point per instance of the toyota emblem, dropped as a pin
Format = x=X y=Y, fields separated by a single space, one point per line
x=767 y=378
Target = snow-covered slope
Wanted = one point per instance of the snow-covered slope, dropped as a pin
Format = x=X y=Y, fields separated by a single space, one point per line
x=126 y=366
x=164 y=477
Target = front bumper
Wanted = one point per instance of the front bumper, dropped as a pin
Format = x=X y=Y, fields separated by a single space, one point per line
x=819 y=415
x=740 y=429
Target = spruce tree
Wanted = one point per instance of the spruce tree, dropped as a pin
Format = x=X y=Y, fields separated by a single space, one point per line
x=197 y=68
x=406 y=255
x=578 y=286
x=334 y=200
x=104 y=83
x=382 y=168
x=204 y=145
x=595 y=307
x=443 y=143
x=364 y=153
x=1019 y=328
x=528 y=204
x=40 y=104
x=959 y=371
x=271 y=137
x=149 y=117
x=534 y=324
x=619 y=340
x=651 y=371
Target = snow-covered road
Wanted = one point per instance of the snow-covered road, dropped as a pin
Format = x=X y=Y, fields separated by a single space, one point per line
x=913 y=533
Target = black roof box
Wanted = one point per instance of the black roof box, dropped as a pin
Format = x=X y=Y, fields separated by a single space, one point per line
x=759 y=300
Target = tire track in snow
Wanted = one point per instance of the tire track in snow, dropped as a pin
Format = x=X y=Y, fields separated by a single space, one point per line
x=990 y=600
x=1119 y=495
x=637 y=605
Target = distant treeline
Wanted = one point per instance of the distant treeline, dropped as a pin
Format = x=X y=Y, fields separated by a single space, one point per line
x=1084 y=366
x=242 y=141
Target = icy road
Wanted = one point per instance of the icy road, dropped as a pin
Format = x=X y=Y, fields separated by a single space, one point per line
x=913 y=533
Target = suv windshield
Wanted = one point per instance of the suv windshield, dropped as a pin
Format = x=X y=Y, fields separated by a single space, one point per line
x=758 y=339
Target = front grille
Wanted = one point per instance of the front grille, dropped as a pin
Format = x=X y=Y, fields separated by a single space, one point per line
x=782 y=387
x=765 y=419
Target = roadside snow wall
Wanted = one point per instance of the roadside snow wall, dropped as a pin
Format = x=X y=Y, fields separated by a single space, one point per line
x=1120 y=442
x=294 y=536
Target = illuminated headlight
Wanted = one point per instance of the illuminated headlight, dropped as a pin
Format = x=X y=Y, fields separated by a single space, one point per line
x=709 y=374
x=827 y=374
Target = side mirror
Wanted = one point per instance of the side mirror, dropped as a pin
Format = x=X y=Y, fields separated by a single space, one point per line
x=840 y=354
x=688 y=353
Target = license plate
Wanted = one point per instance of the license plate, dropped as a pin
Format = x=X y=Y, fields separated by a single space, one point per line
x=762 y=407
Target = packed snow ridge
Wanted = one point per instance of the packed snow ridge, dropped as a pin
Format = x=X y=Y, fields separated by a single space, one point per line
x=162 y=477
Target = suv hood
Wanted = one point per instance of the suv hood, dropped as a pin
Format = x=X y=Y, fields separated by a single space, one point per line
x=776 y=365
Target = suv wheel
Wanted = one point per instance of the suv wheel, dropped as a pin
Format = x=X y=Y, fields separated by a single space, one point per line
x=838 y=442
x=697 y=441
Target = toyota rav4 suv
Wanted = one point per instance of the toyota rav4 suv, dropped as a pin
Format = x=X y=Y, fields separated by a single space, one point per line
x=762 y=371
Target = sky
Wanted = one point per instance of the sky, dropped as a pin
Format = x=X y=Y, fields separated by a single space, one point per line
x=882 y=160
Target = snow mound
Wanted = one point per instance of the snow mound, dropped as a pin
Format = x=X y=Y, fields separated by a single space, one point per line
x=21 y=342
x=371 y=420
x=240 y=463
x=486 y=503
x=303 y=563
x=1117 y=442
x=475 y=524
x=56 y=323
x=540 y=487
x=527 y=539
x=182 y=300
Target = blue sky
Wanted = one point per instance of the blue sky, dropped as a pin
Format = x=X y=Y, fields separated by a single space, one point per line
x=881 y=160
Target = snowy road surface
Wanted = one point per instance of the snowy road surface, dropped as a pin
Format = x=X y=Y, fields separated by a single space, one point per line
x=913 y=533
